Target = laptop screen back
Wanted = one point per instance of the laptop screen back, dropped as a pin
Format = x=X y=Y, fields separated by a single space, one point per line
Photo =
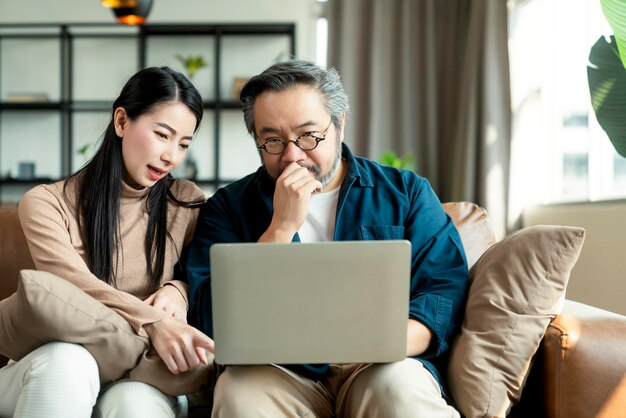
x=329 y=302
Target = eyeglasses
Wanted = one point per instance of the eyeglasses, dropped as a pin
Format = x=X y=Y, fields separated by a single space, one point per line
x=308 y=141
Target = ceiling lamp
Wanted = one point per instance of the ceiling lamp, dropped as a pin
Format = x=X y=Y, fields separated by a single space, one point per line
x=129 y=12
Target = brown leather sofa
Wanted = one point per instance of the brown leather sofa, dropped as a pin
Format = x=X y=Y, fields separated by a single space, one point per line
x=579 y=371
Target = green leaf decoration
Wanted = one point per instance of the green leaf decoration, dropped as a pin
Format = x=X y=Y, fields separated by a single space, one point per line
x=390 y=158
x=615 y=12
x=83 y=150
x=192 y=63
x=607 y=85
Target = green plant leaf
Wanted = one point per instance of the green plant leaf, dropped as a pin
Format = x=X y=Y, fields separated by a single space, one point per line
x=615 y=13
x=390 y=158
x=192 y=63
x=83 y=150
x=607 y=86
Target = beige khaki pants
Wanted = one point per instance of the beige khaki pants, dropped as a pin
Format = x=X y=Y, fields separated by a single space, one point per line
x=403 y=389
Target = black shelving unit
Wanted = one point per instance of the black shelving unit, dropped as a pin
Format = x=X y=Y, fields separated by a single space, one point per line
x=85 y=66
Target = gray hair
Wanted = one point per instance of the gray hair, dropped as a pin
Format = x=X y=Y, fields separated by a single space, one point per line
x=286 y=74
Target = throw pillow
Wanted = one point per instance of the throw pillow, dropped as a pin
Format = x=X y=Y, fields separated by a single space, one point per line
x=151 y=369
x=48 y=308
x=516 y=288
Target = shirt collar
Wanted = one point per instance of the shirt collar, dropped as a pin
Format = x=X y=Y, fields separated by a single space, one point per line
x=355 y=171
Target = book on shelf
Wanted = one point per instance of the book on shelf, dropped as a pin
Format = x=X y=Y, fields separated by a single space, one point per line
x=27 y=97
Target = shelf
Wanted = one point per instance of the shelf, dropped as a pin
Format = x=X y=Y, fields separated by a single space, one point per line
x=36 y=180
x=31 y=106
x=91 y=106
x=86 y=65
x=212 y=29
x=231 y=104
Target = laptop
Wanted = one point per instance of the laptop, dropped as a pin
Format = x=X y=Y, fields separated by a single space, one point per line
x=327 y=302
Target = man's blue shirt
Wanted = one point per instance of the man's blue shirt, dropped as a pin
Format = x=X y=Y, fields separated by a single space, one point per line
x=376 y=202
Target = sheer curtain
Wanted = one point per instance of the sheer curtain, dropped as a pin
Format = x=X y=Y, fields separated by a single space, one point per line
x=430 y=78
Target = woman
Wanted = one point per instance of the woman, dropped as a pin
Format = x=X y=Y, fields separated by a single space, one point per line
x=116 y=230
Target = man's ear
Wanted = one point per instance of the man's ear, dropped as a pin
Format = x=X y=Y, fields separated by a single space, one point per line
x=120 y=121
x=342 y=125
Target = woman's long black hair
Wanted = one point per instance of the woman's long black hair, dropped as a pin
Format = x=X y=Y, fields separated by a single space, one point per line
x=99 y=182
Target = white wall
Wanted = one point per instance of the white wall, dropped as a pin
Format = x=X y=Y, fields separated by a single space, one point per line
x=301 y=12
x=599 y=277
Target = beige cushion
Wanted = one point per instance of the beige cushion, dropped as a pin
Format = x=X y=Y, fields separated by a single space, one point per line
x=47 y=308
x=516 y=288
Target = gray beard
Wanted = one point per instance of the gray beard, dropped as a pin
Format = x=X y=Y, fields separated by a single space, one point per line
x=331 y=173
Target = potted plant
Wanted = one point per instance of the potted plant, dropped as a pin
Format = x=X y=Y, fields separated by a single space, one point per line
x=192 y=63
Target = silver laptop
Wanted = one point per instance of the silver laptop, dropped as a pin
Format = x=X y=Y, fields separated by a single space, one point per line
x=330 y=302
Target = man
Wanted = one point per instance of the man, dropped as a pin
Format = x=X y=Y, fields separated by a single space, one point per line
x=311 y=188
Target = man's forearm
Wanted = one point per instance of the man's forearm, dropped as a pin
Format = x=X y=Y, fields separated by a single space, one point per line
x=279 y=235
x=418 y=338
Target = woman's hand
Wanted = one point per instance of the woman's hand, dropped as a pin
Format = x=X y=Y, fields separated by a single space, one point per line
x=180 y=346
x=169 y=299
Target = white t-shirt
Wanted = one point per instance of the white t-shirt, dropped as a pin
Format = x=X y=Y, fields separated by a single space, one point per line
x=320 y=221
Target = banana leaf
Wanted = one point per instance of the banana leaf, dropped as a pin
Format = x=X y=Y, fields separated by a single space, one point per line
x=607 y=76
x=615 y=13
x=607 y=86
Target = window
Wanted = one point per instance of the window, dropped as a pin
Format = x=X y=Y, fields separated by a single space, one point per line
x=321 y=34
x=559 y=152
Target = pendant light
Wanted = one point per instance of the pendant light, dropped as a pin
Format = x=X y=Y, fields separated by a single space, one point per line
x=129 y=12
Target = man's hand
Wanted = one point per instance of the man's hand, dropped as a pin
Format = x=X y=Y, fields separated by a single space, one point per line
x=169 y=299
x=294 y=188
x=180 y=346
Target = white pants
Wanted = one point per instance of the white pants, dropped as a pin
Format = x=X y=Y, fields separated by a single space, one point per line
x=61 y=380
x=137 y=400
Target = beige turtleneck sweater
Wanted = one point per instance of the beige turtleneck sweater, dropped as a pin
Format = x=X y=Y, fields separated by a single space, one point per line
x=49 y=223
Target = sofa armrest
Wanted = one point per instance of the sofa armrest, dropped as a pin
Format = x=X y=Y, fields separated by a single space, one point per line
x=585 y=363
x=580 y=369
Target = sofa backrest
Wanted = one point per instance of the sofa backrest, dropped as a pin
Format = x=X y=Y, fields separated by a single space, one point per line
x=14 y=255
x=471 y=221
x=14 y=252
x=474 y=227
